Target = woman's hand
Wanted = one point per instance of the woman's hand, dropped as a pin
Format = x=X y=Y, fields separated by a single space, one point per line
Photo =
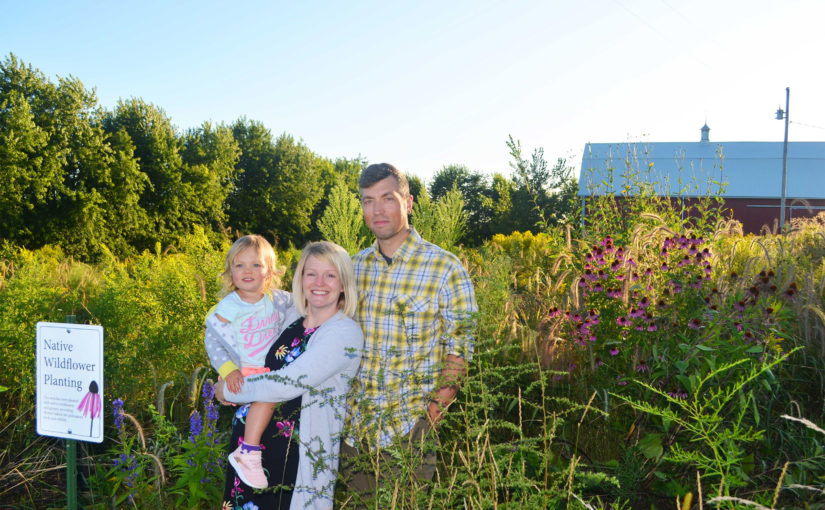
x=219 y=393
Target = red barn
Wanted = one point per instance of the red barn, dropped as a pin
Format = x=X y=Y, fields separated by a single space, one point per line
x=748 y=175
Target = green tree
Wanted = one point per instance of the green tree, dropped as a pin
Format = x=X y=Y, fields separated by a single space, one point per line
x=344 y=172
x=343 y=222
x=477 y=196
x=277 y=184
x=441 y=222
x=181 y=194
x=210 y=154
x=543 y=197
x=67 y=182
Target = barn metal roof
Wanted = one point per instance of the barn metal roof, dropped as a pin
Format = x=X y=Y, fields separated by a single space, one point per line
x=747 y=169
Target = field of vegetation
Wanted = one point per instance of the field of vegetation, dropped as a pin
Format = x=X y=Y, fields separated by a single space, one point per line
x=648 y=358
x=640 y=369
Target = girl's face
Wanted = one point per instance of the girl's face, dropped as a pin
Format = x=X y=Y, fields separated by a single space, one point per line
x=322 y=284
x=249 y=274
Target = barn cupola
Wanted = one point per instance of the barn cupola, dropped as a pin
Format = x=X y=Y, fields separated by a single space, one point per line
x=705 y=133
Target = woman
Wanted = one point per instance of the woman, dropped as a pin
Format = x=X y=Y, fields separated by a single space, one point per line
x=313 y=362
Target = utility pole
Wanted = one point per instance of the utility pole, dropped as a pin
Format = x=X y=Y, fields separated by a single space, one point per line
x=779 y=116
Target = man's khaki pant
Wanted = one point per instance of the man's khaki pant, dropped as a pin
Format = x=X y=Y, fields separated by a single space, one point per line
x=363 y=470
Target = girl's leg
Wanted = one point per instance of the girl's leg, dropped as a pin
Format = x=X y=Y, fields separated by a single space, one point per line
x=246 y=459
x=257 y=418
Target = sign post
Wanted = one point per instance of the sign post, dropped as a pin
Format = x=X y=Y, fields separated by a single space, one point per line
x=70 y=389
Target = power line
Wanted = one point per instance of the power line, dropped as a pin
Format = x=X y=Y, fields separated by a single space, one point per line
x=806 y=125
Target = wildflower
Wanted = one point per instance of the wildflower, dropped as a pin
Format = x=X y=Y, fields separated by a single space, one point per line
x=554 y=312
x=685 y=261
x=620 y=381
x=753 y=292
x=598 y=362
x=642 y=367
x=622 y=321
x=694 y=323
x=195 y=425
x=208 y=391
x=738 y=326
x=118 y=410
x=598 y=287
x=665 y=267
x=652 y=327
x=614 y=351
x=680 y=394
x=790 y=294
x=630 y=263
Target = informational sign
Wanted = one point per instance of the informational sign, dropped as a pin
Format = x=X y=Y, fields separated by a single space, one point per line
x=70 y=381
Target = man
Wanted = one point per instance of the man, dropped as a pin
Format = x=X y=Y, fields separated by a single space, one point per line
x=416 y=306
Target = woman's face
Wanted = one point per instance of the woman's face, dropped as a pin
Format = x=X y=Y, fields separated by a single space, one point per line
x=321 y=284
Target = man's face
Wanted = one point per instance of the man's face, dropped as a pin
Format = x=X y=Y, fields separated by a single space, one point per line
x=385 y=209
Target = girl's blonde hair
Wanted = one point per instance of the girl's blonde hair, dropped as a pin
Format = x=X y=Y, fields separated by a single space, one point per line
x=265 y=253
x=338 y=257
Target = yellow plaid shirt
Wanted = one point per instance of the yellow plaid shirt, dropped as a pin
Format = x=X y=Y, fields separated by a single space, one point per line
x=413 y=313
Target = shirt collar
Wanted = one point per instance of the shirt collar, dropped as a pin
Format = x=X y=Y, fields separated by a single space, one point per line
x=404 y=251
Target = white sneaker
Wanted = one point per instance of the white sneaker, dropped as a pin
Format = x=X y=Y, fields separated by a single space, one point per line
x=248 y=468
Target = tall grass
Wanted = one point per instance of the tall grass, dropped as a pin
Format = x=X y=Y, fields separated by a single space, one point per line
x=546 y=418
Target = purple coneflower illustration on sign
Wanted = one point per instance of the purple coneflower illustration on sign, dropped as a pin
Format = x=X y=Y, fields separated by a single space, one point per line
x=90 y=405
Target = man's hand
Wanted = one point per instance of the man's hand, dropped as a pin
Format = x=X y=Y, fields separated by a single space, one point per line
x=451 y=374
x=234 y=381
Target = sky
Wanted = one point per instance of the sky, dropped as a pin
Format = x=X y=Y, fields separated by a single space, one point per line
x=426 y=84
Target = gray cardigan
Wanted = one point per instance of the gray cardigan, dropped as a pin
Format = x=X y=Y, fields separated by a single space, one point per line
x=322 y=375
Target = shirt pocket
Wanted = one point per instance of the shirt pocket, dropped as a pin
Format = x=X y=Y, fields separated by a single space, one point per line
x=417 y=319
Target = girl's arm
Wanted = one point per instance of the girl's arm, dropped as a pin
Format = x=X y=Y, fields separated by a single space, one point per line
x=334 y=350
x=217 y=339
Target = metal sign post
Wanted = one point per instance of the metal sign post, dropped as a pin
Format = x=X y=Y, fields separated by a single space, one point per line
x=70 y=388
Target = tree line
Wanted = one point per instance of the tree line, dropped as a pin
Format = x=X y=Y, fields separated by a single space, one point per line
x=100 y=182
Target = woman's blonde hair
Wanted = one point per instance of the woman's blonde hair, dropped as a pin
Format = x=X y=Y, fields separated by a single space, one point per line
x=337 y=257
x=265 y=253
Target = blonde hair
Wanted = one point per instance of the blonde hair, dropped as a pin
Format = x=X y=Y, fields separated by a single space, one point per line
x=336 y=256
x=266 y=255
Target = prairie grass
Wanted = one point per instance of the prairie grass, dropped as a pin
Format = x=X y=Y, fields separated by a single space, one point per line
x=547 y=417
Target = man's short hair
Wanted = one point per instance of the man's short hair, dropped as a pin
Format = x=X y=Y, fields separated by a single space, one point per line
x=380 y=171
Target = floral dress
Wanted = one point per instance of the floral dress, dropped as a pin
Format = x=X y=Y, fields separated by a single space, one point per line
x=279 y=441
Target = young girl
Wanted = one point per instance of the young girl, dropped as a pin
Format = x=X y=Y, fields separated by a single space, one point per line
x=254 y=309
